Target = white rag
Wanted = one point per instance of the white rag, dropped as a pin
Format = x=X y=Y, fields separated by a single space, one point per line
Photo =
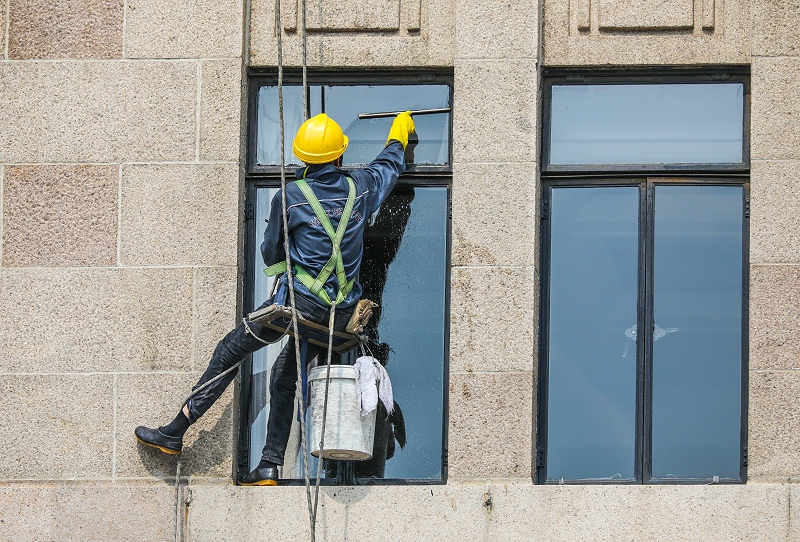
x=372 y=382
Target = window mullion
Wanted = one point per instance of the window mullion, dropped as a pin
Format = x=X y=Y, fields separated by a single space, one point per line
x=645 y=337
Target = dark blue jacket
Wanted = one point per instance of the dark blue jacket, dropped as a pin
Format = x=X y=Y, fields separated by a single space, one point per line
x=309 y=245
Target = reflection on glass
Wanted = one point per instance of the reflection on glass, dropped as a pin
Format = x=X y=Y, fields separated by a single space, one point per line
x=647 y=124
x=268 y=127
x=697 y=370
x=593 y=291
x=404 y=271
x=343 y=104
x=368 y=136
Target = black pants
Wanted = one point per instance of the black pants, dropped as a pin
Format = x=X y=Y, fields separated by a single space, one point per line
x=238 y=344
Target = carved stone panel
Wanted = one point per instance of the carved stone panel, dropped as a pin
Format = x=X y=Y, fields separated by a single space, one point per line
x=636 y=32
x=354 y=15
x=646 y=14
x=354 y=32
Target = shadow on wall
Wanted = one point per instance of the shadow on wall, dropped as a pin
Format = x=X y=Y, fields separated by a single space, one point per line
x=210 y=448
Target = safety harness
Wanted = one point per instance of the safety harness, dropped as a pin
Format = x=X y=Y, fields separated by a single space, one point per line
x=316 y=284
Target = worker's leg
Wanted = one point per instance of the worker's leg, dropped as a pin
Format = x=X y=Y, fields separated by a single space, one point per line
x=282 y=389
x=236 y=345
x=283 y=381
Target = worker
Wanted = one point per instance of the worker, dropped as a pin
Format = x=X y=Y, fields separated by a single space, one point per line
x=320 y=144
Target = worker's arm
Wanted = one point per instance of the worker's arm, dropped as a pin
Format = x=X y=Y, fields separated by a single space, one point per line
x=390 y=163
x=272 y=249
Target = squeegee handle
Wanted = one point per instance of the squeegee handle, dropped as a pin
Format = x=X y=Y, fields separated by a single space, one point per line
x=395 y=113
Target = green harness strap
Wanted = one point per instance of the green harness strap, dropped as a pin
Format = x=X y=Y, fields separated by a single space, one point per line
x=316 y=285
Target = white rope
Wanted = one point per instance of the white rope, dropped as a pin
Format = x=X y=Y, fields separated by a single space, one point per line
x=289 y=277
x=298 y=390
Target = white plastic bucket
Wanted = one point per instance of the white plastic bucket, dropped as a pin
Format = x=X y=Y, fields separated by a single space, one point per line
x=348 y=434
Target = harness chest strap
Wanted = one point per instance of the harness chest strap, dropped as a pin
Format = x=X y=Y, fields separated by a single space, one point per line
x=335 y=263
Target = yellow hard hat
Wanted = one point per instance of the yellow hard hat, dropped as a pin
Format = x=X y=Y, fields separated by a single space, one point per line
x=319 y=140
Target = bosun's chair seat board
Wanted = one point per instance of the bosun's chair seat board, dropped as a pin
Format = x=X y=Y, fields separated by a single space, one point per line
x=278 y=318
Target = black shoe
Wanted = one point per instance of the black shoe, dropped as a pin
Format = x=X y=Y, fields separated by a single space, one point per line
x=156 y=439
x=262 y=477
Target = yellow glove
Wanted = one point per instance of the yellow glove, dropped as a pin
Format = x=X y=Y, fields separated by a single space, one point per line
x=402 y=126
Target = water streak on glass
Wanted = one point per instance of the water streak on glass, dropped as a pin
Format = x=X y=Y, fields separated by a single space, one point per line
x=697 y=369
x=592 y=362
x=404 y=270
x=647 y=124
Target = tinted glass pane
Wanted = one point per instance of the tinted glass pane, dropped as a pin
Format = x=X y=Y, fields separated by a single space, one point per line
x=697 y=352
x=647 y=124
x=368 y=136
x=264 y=359
x=592 y=318
x=404 y=271
x=343 y=104
x=268 y=122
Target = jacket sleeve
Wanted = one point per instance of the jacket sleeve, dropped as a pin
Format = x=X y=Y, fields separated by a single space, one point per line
x=382 y=173
x=272 y=249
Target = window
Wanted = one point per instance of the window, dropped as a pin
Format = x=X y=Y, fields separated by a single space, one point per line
x=405 y=267
x=644 y=225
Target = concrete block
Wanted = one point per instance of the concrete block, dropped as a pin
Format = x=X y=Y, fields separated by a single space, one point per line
x=647 y=14
x=220 y=110
x=495 y=29
x=154 y=400
x=60 y=215
x=198 y=29
x=214 y=313
x=494 y=214
x=774 y=316
x=496 y=118
x=431 y=45
x=83 y=319
x=91 y=111
x=774 y=423
x=663 y=513
x=185 y=214
x=56 y=426
x=487 y=512
x=491 y=425
x=775 y=108
x=87 y=511
x=775 y=28
x=574 y=35
x=46 y=29
x=492 y=319
x=774 y=200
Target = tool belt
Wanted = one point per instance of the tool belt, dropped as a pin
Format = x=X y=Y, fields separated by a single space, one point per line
x=278 y=318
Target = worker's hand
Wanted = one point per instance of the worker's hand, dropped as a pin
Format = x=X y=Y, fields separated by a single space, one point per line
x=402 y=126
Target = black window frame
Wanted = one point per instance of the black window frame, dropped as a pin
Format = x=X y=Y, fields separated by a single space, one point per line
x=646 y=177
x=260 y=176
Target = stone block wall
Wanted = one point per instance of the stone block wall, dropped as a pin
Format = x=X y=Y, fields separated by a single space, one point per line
x=120 y=185
x=119 y=216
x=774 y=249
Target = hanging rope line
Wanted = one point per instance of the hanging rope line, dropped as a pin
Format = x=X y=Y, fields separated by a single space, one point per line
x=289 y=277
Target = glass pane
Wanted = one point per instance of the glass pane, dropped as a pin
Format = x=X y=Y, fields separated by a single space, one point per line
x=268 y=128
x=592 y=322
x=647 y=124
x=264 y=359
x=697 y=356
x=368 y=136
x=404 y=271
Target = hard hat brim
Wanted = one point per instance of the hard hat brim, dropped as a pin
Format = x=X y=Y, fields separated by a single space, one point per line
x=323 y=158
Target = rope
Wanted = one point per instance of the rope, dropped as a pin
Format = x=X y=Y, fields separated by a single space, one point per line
x=312 y=509
x=289 y=277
